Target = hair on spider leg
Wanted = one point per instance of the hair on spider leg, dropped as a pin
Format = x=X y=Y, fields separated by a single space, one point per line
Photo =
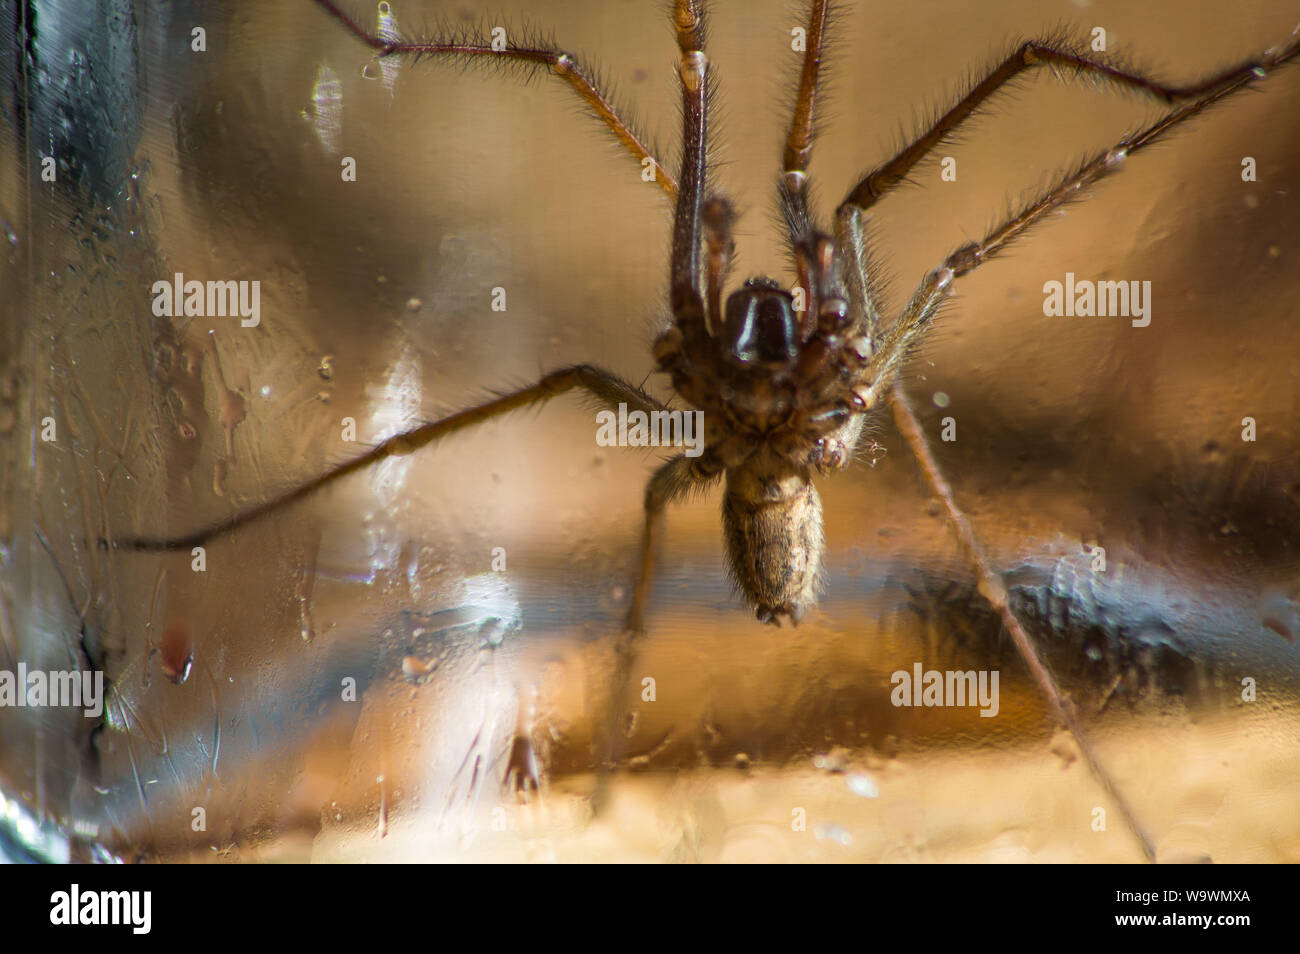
x=497 y=45
x=1106 y=73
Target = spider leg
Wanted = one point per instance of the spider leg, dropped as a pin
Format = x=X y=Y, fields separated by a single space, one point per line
x=972 y=255
x=883 y=372
x=816 y=264
x=672 y=482
x=564 y=65
x=881 y=180
x=991 y=588
x=684 y=272
x=607 y=388
x=695 y=222
x=675 y=480
x=888 y=359
x=851 y=237
x=891 y=353
x=717 y=220
x=798 y=141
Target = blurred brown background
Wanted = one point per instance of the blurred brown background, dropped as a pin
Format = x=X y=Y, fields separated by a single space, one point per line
x=376 y=306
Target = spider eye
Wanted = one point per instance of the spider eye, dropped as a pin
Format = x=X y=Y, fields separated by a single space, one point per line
x=760 y=326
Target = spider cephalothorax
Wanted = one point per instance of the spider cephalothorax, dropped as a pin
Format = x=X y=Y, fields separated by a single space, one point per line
x=784 y=382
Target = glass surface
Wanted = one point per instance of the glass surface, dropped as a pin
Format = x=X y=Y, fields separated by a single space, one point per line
x=376 y=307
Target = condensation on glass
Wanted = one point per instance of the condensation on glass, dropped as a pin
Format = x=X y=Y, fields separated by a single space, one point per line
x=343 y=681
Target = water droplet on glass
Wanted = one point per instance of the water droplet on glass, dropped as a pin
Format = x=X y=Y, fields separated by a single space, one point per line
x=416 y=669
x=835 y=833
x=177 y=652
x=862 y=784
x=325 y=111
x=836 y=760
x=388 y=32
x=493 y=632
x=1278 y=614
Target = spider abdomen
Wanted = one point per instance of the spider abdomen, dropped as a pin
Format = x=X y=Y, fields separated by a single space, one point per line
x=772 y=520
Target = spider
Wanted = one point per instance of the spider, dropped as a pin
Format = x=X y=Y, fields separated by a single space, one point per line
x=787 y=379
